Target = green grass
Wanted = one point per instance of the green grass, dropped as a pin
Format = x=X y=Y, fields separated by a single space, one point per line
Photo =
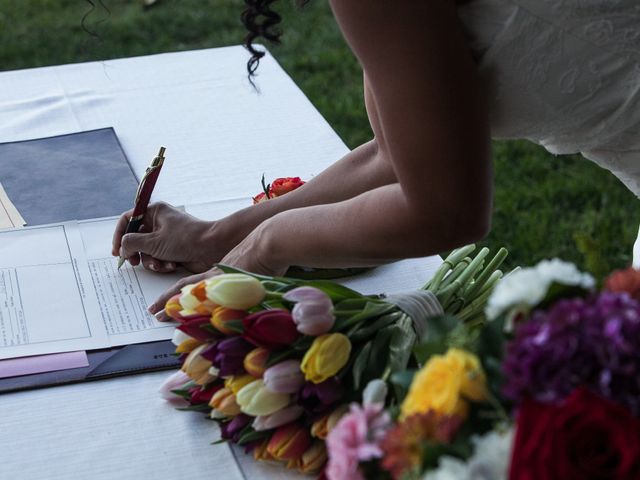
x=544 y=205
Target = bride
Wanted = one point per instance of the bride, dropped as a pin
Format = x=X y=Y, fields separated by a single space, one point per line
x=440 y=79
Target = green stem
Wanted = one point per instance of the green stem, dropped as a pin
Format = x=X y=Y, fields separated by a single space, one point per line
x=449 y=263
x=455 y=273
x=475 y=307
x=445 y=294
x=493 y=265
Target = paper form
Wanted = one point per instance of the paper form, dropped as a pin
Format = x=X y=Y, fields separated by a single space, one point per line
x=9 y=215
x=124 y=295
x=46 y=301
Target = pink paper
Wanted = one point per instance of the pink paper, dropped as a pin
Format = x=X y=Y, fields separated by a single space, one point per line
x=15 y=367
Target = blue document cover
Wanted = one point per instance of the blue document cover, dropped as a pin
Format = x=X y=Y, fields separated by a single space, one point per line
x=68 y=177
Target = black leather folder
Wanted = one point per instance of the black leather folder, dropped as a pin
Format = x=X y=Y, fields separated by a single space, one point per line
x=75 y=177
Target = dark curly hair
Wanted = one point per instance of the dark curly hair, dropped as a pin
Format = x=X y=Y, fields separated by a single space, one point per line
x=260 y=21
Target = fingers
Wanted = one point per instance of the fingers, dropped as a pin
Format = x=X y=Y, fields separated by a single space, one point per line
x=159 y=304
x=132 y=243
x=121 y=227
x=156 y=265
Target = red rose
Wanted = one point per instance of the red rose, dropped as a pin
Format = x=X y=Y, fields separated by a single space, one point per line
x=261 y=197
x=280 y=186
x=586 y=437
x=624 y=281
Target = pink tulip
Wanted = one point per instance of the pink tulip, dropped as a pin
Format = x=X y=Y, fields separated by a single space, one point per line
x=284 y=377
x=277 y=419
x=174 y=382
x=312 y=312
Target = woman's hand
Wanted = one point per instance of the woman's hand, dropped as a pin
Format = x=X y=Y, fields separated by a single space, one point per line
x=253 y=254
x=168 y=238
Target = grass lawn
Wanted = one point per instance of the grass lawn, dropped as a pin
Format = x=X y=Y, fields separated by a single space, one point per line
x=545 y=206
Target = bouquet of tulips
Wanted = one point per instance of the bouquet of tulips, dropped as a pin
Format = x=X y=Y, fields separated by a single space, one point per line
x=547 y=388
x=277 y=361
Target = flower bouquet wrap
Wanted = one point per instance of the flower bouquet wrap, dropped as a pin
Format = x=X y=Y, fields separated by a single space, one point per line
x=548 y=387
x=277 y=361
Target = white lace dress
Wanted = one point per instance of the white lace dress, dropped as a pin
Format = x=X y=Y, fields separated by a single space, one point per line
x=564 y=74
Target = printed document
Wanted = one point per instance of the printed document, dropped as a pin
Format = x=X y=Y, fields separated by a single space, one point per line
x=60 y=291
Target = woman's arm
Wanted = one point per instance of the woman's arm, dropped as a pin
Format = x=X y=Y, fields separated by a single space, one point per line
x=432 y=129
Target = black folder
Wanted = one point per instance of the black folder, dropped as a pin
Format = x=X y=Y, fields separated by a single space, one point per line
x=75 y=177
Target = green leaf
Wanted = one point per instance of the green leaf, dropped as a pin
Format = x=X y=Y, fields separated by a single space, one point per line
x=401 y=382
x=277 y=357
x=438 y=331
x=379 y=355
x=360 y=365
x=235 y=326
x=202 y=407
x=371 y=328
x=370 y=310
x=251 y=435
x=401 y=342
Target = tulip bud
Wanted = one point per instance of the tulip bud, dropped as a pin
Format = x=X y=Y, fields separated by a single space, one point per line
x=317 y=398
x=174 y=382
x=222 y=315
x=231 y=430
x=224 y=404
x=202 y=396
x=326 y=356
x=236 y=382
x=197 y=367
x=235 y=290
x=254 y=399
x=313 y=459
x=255 y=362
x=188 y=345
x=228 y=355
x=284 y=377
x=277 y=419
x=321 y=427
x=271 y=329
x=261 y=453
x=179 y=337
x=289 y=442
x=312 y=313
x=375 y=392
x=189 y=297
x=173 y=308
x=196 y=326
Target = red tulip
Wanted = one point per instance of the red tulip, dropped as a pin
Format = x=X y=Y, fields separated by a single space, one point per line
x=270 y=329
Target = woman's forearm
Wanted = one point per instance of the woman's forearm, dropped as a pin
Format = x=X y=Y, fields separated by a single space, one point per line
x=373 y=228
x=360 y=170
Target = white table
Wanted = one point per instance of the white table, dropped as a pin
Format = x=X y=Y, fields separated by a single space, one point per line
x=220 y=137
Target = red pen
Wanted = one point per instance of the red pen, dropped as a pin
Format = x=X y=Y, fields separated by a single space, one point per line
x=143 y=196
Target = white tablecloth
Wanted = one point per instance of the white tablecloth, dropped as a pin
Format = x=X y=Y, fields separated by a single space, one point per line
x=220 y=137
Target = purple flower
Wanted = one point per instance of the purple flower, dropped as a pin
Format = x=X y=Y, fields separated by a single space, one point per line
x=231 y=430
x=593 y=342
x=317 y=398
x=313 y=311
x=284 y=377
x=228 y=355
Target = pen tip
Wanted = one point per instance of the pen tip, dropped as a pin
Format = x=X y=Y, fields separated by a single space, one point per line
x=120 y=262
x=161 y=153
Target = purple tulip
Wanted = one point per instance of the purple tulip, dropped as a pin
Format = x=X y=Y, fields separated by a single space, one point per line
x=313 y=311
x=277 y=419
x=284 y=377
x=228 y=355
x=231 y=430
x=317 y=398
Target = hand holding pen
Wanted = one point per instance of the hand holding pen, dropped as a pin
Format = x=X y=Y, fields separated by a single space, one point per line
x=143 y=196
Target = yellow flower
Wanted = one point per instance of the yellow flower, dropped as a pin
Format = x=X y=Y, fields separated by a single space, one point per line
x=197 y=367
x=326 y=356
x=236 y=291
x=254 y=399
x=321 y=427
x=237 y=382
x=312 y=460
x=445 y=384
x=224 y=404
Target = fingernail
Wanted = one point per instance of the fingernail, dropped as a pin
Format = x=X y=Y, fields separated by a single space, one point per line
x=161 y=316
x=153 y=266
x=151 y=308
x=171 y=265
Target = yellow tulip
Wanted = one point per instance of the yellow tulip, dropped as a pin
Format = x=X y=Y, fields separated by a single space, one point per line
x=235 y=383
x=254 y=399
x=326 y=356
x=312 y=460
x=224 y=404
x=197 y=367
x=321 y=427
x=235 y=290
